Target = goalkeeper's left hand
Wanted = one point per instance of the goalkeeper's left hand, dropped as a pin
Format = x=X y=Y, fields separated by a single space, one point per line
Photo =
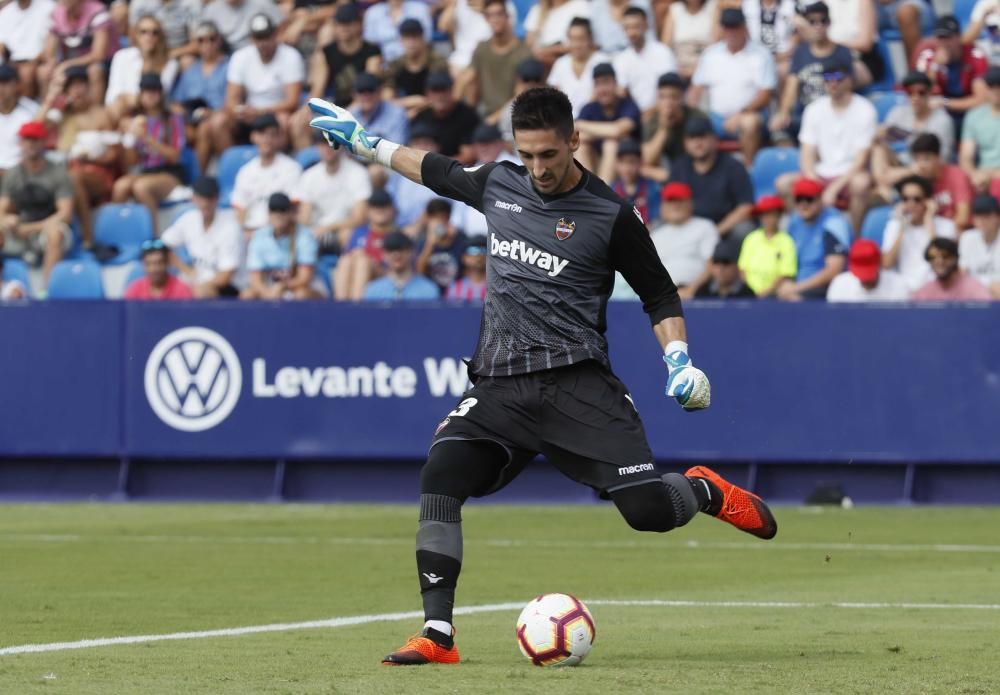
x=685 y=382
x=341 y=129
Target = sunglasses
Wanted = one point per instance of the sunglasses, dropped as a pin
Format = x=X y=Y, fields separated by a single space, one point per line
x=912 y=198
x=152 y=245
x=149 y=32
x=801 y=199
x=833 y=76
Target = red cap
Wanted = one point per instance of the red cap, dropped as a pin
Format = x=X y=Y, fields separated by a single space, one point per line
x=807 y=187
x=864 y=260
x=768 y=203
x=33 y=130
x=676 y=191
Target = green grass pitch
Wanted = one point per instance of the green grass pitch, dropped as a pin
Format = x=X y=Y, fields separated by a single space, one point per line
x=75 y=572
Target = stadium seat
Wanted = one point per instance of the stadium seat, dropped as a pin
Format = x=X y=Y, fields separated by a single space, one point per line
x=229 y=165
x=888 y=81
x=523 y=8
x=875 y=222
x=189 y=161
x=963 y=12
x=80 y=279
x=125 y=226
x=16 y=269
x=884 y=102
x=324 y=266
x=307 y=157
x=769 y=164
x=135 y=272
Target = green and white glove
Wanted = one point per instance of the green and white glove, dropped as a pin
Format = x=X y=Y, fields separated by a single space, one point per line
x=341 y=129
x=685 y=382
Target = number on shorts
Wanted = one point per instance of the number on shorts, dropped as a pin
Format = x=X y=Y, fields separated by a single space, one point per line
x=463 y=408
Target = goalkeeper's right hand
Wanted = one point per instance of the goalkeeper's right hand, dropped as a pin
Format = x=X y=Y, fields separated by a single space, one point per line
x=341 y=129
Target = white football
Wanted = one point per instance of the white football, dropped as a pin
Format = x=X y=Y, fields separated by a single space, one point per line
x=555 y=630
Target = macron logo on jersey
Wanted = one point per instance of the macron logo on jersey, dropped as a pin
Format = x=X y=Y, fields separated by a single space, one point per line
x=519 y=251
x=513 y=207
x=629 y=470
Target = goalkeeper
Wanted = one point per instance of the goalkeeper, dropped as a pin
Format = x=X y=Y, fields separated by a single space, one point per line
x=542 y=381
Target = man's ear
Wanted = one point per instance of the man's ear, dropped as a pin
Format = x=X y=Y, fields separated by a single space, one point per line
x=574 y=140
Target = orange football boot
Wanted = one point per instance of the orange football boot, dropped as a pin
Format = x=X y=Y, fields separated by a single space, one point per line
x=744 y=510
x=421 y=649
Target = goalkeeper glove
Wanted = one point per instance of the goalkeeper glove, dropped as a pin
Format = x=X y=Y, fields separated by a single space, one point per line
x=341 y=129
x=685 y=382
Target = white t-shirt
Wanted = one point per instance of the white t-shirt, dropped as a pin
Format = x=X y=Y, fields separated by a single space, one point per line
x=265 y=82
x=10 y=123
x=639 y=72
x=685 y=249
x=911 y=265
x=783 y=27
x=982 y=260
x=838 y=135
x=580 y=90
x=734 y=79
x=212 y=251
x=847 y=288
x=126 y=71
x=23 y=32
x=255 y=183
x=693 y=28
x=556 y=24
x=333 y=196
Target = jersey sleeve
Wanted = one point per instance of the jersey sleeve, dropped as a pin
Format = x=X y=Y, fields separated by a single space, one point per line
x=447 y=177
x=632 y=254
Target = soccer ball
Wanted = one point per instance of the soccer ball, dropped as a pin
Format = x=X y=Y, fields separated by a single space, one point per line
x=555 y=630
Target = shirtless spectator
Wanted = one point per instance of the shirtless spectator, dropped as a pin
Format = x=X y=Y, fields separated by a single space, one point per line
x=86 y=135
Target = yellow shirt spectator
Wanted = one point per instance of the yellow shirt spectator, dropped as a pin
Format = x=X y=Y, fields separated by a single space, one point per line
x=768 y=254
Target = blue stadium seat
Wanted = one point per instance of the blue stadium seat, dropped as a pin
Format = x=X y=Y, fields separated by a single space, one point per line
x=875 y=222
x=523 y=7
x=307 y=157
x=963 y=12
x=80 y=279
x=189 y=162
x=769 y=164
x=888 y=81
x=229 y=165
x=884 y=102
x=16 y=269
x=124 y=225
x=324 y=265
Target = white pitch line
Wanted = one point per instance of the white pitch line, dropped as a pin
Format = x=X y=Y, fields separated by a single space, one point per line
x=467 y=610
x=499 y=542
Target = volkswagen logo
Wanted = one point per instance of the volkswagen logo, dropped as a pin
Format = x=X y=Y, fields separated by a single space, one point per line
x=193 y=379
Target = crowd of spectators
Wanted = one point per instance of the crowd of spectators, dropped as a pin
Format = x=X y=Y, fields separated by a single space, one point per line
x=894 y=196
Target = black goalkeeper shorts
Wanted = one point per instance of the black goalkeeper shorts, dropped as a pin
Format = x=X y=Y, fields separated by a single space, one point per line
x=580 y=417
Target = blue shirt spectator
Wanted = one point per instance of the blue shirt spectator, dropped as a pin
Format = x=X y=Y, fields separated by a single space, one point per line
x=400 y=282
x=623 y=108
x=608 y=33
x=195 y=84
x=271 y=254
x=410 y=198
x=385 y=120
x=380 y=29
x=826 y=234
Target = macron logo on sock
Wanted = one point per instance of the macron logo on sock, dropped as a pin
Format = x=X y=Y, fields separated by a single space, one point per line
x=519 y=251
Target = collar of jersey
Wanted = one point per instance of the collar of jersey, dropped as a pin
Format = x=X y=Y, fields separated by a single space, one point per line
x=579 y=184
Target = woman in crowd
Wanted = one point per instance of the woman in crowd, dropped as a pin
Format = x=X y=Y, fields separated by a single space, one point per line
x=82 y=33
x=690 y=26
x=147 y=54
x=153 y=142
x=201 y=91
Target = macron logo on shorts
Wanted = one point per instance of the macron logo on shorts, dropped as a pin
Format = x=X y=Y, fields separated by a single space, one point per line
x=629 y=470
x=519 y=251
x=513 y=207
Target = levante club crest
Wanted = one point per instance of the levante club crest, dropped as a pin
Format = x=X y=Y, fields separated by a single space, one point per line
x=565 y=229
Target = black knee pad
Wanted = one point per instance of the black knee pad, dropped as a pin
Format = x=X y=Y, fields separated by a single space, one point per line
x=646 y=507
x=462 y=469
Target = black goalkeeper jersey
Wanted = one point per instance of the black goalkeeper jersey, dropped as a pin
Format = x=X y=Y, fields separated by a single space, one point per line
x=551 y=263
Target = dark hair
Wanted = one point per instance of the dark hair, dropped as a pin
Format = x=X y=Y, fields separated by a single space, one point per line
x=438 y=206
x=495 y=2
x=948 y=246
x=926 y=143
x=913 y=180
x=542 y=108
x=581 y=22
x=634 y=11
